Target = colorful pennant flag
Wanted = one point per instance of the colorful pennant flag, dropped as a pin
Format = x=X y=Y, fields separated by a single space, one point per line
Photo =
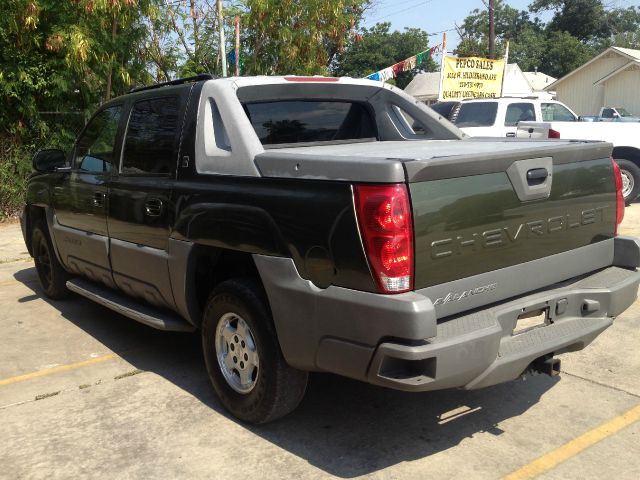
x=403 y=66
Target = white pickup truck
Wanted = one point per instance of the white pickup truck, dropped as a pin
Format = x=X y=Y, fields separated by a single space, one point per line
x=616 y=114
x=625 y=138
x=532 y=117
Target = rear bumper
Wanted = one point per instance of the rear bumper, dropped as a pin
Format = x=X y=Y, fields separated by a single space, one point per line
x=397 y=341
x=478 y=350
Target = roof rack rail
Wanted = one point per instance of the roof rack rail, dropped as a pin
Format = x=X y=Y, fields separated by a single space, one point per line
x=177 y=81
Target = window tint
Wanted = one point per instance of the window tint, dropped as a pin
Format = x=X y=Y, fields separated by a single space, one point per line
x=519 y=112
x=299 y=121
x=478 y=114
x=94 y=150
x=554 y=112
x=414 y=126
x=444 y=108
x=220 y=133
x=607 y=113
x=150 y=139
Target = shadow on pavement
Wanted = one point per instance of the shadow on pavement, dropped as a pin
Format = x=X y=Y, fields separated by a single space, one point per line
x=343 y=427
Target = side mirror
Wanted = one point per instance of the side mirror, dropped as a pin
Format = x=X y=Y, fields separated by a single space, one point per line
x=48 y=160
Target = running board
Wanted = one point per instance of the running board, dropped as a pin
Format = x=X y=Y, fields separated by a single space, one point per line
x=129 y=307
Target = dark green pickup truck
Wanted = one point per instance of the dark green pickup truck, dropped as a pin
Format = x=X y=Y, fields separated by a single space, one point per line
x=320 y=224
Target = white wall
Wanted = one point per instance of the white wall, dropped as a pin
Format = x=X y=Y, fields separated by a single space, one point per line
x=623 y=90
x=578 y=90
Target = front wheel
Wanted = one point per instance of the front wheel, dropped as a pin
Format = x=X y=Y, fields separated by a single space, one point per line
x=53 y=277
x=630 y=180
x=243 y=356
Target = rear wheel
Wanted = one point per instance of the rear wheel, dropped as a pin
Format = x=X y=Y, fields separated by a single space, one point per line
x=243 y=357
x=53 y=277
x=630 y=180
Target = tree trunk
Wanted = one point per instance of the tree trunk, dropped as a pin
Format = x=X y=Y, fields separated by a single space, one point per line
x=114 y=30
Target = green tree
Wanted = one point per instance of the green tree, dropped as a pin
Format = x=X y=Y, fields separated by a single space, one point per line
x=65 y=55
x=515 y=26
x=297 y=36
x=578 y=30
x=376 y=48
x=582 y=19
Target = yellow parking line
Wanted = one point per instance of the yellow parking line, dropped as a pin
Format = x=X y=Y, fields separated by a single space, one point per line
x=59 y=368
x=555 y=457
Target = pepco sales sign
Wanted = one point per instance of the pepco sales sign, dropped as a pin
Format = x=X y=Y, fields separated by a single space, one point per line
x=471 y=77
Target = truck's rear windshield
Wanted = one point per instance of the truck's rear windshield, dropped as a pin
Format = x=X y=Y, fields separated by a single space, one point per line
x=479 y=114
x=306 y=121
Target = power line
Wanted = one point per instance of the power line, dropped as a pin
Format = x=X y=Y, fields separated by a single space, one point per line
x=401 y=11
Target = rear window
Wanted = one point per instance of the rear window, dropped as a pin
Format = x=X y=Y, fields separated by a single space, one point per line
x=519 y=112
x=479 y=114
x=302 y=121
x=444 y=108
x=554 y=112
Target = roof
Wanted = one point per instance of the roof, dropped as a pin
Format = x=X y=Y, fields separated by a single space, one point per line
x=629 y=51
x=515 y=83
x=625 y=52
x=424 y=86
x=617 y=71
x=538 y=80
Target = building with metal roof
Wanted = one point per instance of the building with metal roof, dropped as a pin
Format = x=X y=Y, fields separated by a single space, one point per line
x=609 y=79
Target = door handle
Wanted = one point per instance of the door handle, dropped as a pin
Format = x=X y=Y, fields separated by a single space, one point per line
x=511 y=134
x=98 y=199
x=536 y=176
x=153 y=207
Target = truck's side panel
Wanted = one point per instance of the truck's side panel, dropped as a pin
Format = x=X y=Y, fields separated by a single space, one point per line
x=311 y=222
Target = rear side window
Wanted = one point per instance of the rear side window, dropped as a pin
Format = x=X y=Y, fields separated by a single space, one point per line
x=478 y=114
x=302 y=121
x=411 y=124
x=554 y=112
x=607 y=113
x=149 y=145
x=519 y=112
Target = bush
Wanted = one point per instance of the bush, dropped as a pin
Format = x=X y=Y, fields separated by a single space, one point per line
x=15 y=168
x=16 y=153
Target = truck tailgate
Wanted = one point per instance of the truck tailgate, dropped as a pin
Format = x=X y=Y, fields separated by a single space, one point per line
x=492 y=226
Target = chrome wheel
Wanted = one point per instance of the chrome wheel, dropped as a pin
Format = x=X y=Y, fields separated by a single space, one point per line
x=627 y=182
x=237 y=353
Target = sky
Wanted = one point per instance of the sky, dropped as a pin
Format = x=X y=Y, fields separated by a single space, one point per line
x=437 y=15
x=429 y=15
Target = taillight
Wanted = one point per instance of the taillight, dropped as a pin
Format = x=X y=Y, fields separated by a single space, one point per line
x=554 y=133
x=619 y=197
x=384 y=217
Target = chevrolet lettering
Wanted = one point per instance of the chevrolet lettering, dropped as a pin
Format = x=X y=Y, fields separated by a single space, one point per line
x=500 y=237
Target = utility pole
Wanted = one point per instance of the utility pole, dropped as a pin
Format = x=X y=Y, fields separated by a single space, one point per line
x=492 y=31
x=223 y=53
x=237 y=25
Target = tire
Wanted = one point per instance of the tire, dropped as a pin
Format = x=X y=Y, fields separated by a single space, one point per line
x=630 y=178
x=53 y=277
x=236 y=328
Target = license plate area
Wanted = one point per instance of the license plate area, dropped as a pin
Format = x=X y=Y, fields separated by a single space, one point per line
x=531 y=319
